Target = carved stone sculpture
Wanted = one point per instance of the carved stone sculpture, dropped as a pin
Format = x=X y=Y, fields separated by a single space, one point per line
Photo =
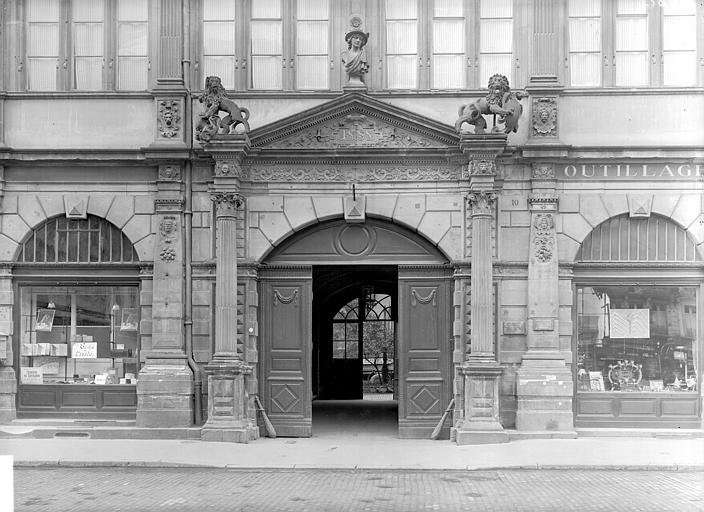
x=215 y=101
x=355 y=58
x=500 y=101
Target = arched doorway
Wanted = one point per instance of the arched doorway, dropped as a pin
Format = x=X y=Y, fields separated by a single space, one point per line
x=332 y=290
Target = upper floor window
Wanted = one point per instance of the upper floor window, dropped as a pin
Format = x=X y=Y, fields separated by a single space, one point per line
x=447 y=44
x=632 y=43
x=275 y=45
x=86 y=45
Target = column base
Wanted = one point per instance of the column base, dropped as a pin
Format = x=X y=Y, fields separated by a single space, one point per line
x=481 y=423
x=8 y=393
x=544 y=394
x=165 y=394
x=465 y=437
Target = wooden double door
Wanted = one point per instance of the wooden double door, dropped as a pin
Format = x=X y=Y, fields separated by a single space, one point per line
x=297 y=351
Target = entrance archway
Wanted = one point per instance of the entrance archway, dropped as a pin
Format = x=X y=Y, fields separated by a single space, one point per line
x=320 y=287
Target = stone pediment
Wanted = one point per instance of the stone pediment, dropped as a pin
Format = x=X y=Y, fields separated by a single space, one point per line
x=354 y=121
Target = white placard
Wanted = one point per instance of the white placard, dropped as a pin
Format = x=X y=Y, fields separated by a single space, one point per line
x=7 y=493
x=101 y=379
x=629 y=323
x=84 y=350
x=31 y=375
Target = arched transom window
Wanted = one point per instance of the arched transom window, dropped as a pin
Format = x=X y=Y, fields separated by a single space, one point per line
x=368 y=334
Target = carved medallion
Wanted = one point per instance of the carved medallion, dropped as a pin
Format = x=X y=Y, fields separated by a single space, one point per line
x=483 y=166
x=169 y=173
x=545 y=117
x=169 y=118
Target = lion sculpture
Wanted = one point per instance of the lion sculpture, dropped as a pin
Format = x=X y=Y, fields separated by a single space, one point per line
x=215 y=102
x=500 y=101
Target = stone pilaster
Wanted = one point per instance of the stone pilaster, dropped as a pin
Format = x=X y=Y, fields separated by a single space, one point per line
x=546 y=37
x=165 y=384
x=544 y=382
x=8 y=378
x=169 y=43
x=228 y=412
x=480 y=423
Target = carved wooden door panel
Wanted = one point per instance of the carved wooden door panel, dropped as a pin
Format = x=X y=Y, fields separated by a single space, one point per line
x=424 y=349
x=285 y=310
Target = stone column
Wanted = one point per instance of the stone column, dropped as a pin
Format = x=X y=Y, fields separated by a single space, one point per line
x=8 y=378
x=481 y=371
x=165 y=384
x=544 y=381
x=228 y=414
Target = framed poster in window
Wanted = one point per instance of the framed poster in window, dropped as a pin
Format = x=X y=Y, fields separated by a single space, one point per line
x=45 y=319
x=130 y=319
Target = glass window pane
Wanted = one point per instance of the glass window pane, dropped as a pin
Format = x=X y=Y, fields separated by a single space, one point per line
x=448 y=8
x=632 y=69
x=631 y=34
x=680 y=68
x=88 y=10
x=132 y=39
x=495 y=36
x=584 y=7
x=88 y=39
x=132 y=73
x=88 y=73
x=632 y=6
x=312 y=38
x=496 y=9
x=43 y=40
x=448 y=36
x=219 y=38
x=338 y=331
x=585 y=69
x=132 y=10
x=401 y=9
x=401 y=37
x=491 y=64
x=41 y=74
x=266 y=38
x=222 y=66
x=352 y=350
x=338 y=349
x=682 y=7
x=266 y=73
x=312 y=9
x=679 y=33
x=401 y=71
x=351 y=331
x=312 y=72
x=43 y=10
x=448 y=72
x=585 y=35
x=218 y=10
x=266 y=9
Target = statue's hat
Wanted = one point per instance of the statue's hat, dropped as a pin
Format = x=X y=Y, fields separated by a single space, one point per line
x=363 y=35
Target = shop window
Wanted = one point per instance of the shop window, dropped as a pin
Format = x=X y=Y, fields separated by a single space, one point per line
x=633 y=43
x=637 y=338
x=87 y=45
x=79 y=335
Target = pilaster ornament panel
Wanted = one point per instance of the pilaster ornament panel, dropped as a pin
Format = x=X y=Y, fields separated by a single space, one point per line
x=229 y=168
x=544 y=239
x=543 y=172
x=227 y=203
x=169 y=119
x=169 y=173
x=542 y=201
x=482 y=202
x=168 y=229
x=545 y=117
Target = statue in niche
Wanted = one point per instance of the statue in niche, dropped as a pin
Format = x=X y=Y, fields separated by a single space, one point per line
x=216 y=101
x=355 y=58
x=500 y=101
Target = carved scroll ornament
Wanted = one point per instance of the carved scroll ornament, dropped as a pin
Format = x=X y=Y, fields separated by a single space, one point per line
x=543 y=172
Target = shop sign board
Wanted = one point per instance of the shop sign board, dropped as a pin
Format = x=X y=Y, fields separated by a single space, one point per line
x=630 y=171
x=84 y=350
x=31 y=375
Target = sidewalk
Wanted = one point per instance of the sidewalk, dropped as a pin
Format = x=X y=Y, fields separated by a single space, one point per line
x=365 y=452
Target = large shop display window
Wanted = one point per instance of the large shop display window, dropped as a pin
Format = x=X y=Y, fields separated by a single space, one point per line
x=79 y=335
x=637 y=338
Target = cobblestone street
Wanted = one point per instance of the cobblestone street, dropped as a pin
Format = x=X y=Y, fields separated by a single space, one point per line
x=195 y=489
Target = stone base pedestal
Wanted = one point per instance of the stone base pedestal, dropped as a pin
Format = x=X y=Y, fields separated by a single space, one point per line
x=544 y=390
x=228 y=418
x=481 y=423
x=355 y=85
x=8 y=392
x=165 y=394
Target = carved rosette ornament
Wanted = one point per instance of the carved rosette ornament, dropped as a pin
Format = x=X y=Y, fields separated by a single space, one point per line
x=481 y=202
x=543 y=172
x=227 y=203
x=544 y=239
x=545 y=117
x=169 y=173
x=169 y=118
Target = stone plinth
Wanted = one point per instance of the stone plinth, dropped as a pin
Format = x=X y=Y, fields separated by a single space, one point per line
x=227 y=398
x=544 y=389
x=8 y=391
x=165 y=393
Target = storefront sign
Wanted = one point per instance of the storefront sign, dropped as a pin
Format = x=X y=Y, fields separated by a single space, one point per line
x=30 y=375
x=630 y=171
x=84 y=350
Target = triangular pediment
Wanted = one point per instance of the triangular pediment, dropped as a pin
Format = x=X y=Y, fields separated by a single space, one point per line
x=354 y=121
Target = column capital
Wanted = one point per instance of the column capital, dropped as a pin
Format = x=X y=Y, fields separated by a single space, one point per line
x=481 y=202
x=227 y=203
